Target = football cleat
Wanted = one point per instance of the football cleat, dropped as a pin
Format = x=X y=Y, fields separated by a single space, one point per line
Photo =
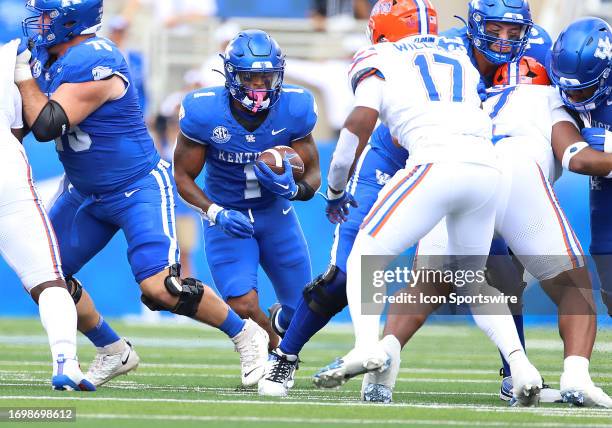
x=274 y=312
x=113 y=360
x=67 y=376
x=526 y=382
x=583 y=393
x=355 y=363
x=252 y=345
x=279 y=374
x=547 y=394
x=377 y=387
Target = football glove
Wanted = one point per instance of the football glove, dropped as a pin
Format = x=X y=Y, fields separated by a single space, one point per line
x=281 y=184
x=22 y=64
x=598 y=139
x=233 y=223
x=337 y=208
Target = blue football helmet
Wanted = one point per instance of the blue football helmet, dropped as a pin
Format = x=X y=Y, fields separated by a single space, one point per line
x=254 y=67
x=581 y=58
x=58 y=21
x=481 y=12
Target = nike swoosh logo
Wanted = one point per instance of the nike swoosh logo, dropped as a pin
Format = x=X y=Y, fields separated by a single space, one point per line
x=249 y=372
x=130 y=193
x=127 y=357
x=287 y=210
x=284 y=186
x=275 y=132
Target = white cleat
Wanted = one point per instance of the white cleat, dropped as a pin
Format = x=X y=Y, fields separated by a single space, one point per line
x=252 y=345
x=526 y=380
x=111 y=361
x=583 y=394
x=279 y=374
x=354 y=363
x=67 y=376
x=377 y=387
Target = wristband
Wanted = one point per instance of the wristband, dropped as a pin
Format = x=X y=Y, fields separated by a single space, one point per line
x=213 y=211
x=572 y=151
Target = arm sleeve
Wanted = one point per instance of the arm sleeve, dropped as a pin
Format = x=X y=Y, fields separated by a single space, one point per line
x=18 y=121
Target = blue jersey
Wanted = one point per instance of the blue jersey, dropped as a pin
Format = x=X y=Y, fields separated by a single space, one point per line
x=601 y=190
x=382 y=143
x=538 y=46
x=111 y=148
x=231 y=150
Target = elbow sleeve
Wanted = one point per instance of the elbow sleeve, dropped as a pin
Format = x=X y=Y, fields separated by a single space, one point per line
x=51 y=123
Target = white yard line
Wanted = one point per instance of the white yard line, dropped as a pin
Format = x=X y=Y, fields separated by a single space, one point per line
x=577 y=412
x=327 y=421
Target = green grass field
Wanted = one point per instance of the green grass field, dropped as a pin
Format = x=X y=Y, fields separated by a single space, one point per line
x=189 y=375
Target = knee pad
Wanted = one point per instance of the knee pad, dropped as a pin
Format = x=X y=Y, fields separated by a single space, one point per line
x=75 y=288
x=326 y=294
x=189 y=292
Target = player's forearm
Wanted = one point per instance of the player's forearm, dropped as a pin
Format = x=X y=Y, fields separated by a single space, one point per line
x=191 y=193
x=592 y=162
x=33 y=100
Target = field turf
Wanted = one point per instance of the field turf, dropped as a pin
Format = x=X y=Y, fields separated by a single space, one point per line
x=188 y=376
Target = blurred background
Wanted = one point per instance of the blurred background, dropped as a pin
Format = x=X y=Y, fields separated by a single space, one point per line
x=172 y=47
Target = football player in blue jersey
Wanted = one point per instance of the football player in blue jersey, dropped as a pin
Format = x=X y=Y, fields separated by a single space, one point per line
x=78 y=92
x=582 y=69
x=249 y=220
x=380 y=159
x=580 y=64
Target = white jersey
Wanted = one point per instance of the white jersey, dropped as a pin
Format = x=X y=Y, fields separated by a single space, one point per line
x=523 y=117
x=10 y=99
x=430 y=98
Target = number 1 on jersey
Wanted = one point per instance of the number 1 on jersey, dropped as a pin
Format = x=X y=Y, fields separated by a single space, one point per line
x=252 y=189
x=422 y=62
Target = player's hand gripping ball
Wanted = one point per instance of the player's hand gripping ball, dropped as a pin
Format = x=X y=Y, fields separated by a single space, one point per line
x=277 y=169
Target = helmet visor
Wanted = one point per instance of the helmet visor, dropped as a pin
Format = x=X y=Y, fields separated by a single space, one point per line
x=259 y=80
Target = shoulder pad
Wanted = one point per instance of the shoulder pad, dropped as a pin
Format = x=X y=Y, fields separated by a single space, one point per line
x=302 y=109
x=95 y=59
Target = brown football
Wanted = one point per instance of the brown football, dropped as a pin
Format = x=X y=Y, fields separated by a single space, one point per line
x=274 y=159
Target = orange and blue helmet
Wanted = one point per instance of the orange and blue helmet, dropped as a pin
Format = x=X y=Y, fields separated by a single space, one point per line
x=392 y=20
x=526 y=71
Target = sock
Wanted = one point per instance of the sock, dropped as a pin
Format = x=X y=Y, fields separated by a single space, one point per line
x=233 y=324
x=577 y=366
x=518 y=322
x=499 y=329
x=304 y=325
x=59 y=318
x=366 y=326
x=102 y=334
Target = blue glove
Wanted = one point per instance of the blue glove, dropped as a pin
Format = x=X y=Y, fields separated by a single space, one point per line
x=234 y=224
x=280 y=184
x=598 y=139
x=337 y=209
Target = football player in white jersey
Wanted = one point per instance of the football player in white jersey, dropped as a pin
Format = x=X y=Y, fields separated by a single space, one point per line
x=530 y=120
x=27 y=240
x=448 y=136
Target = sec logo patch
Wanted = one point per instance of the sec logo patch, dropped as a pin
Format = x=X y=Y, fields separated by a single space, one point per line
x=221 y=135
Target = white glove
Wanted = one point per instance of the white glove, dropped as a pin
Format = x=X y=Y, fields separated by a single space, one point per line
x=22 y=65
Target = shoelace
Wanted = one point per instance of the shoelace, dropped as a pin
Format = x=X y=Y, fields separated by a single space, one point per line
x=281 y=369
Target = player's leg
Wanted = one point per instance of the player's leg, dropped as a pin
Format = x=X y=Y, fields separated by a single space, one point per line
x=153 y=255
x=494 y=320
x=601 y=235
x=28 y=244
x=404 y=212
x=81 y=235
x=553 y=255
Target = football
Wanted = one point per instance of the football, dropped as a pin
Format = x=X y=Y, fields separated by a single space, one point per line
x=274 y=159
